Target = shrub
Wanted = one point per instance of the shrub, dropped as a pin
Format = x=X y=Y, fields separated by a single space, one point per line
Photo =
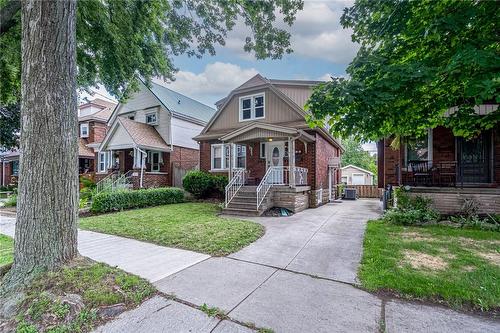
x=489 y=223
x=87 y=183
x=411 y=216
x=11 y=201
x=126 y=199
x=202 y=184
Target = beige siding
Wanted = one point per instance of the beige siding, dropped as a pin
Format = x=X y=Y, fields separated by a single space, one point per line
x=348 y=172
x=119 y=140
x=143 y=102
x=299 y=95
x=276 y=111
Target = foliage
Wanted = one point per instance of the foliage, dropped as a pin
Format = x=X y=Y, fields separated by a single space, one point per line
x=355 y=154
x=120 y=41
x=212 y=311
x=6 y=250
x=126 y=199
x=466 y=278
x=470 y=219
x=98 y=285
x=411 y=210
x=203 y=185
x=87 y=183
x=191 y=226
x=11 y=201
x=416 y=60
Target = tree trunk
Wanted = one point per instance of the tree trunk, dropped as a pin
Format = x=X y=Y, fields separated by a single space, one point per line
x=47 y=212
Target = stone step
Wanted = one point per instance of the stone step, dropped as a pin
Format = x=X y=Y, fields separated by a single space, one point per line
x=245 y=200
x=248 y=189
x=242 y=205
x=241 y=212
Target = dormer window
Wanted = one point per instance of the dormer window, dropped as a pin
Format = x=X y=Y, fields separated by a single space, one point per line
x=252 y=107
x=152 y=118
x=84 y=130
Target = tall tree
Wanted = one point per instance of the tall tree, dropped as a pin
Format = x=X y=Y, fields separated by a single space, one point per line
x=110 y=43
x=416 y=60
x=355 y=154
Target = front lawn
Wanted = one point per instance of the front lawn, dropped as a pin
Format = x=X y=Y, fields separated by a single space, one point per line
x=438 y=263
x=6 y=250
x=191 y=226
x=77 y=298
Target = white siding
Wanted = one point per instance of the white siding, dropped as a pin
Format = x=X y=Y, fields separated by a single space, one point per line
x=143 y=102
x=119 y=140
x=183 y=132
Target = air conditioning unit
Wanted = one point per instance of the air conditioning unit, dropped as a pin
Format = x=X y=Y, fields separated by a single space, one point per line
x=350 y=194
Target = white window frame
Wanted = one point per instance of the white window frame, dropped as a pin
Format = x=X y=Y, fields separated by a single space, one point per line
x=429 y=149
x=235 y=156
x=151 y=153
x=252 y=106
x=155 y=113
x=262 y=152
x=102 y=159
x=84 y=126
x=222 y=156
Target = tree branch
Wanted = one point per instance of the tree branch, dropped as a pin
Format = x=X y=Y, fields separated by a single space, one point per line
x=7 y=13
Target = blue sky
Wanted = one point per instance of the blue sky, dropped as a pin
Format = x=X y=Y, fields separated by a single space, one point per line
x=321 y=48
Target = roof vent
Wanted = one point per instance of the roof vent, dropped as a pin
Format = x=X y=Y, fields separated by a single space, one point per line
x=179 y=101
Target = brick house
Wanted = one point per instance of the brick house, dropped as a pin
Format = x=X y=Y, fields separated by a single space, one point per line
x=259 y=137
x=149 y=142
x=446 y=168
x=92 y=128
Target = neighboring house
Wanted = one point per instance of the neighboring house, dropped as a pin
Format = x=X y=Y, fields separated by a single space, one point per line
x=9 y=168
x=446 y=168
x=92 y=126
x=259 y=137
x=353 y=175
x=149 y=142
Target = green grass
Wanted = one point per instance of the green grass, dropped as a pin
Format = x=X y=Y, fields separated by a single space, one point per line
x=191 y=226
x=462 y=277
x=98 y=285
x=6 y=250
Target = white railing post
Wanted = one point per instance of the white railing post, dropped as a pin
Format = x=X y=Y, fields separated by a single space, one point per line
x=236 y=182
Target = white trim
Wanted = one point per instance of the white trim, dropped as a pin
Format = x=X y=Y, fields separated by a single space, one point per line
x=222 y=157
x=252 y=106
x=86 y=126
x=155 y=113
x=356 y=167
x=151 y=160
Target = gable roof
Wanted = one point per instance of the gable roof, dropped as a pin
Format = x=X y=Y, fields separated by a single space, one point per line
x=101 y=116
x=141 y=135
x=180 y=104
x=358 y=168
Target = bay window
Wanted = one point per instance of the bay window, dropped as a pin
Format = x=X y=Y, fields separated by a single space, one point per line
x=252 y=107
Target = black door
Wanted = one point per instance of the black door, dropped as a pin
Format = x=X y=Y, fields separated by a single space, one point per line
x=474 y=159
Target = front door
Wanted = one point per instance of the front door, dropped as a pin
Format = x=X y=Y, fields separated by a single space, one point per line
x=274 y=158
x=474 y=163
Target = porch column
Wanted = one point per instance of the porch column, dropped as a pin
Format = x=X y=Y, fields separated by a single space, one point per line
x=291 y=162
x=230 y=166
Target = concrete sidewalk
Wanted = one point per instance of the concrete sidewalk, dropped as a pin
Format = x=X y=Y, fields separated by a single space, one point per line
x=150 y=261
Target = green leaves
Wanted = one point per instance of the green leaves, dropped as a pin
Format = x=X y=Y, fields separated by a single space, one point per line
x=417 y=59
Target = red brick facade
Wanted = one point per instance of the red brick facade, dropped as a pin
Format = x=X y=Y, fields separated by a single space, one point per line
x=7 y=178
x=315 y=160
x=444 y=149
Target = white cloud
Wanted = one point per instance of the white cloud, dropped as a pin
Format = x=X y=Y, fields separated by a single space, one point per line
x=316 y=33
x=216 y=81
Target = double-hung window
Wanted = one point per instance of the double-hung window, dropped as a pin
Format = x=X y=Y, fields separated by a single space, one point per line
x=220 y=156
x=252 y=107
x=84 y=130
x=152 y=118
x=155 y=161
x=419 y=149
x=103 y=161
x=15 y=168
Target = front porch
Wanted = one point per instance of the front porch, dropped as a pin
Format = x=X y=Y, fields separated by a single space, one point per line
x=267 y=166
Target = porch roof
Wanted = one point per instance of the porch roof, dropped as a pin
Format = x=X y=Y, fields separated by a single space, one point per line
x=83 y=150
x=127 y=133
x=259 y=130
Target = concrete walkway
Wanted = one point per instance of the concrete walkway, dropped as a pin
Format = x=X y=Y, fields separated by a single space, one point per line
x=147 y=260
x=299 y=277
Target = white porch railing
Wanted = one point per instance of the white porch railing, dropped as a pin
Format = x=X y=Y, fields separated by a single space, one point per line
x=236 y=182
x=106 y=183
x=279 y=175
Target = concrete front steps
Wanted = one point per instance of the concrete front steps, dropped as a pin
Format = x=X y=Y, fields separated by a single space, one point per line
x=244 y=203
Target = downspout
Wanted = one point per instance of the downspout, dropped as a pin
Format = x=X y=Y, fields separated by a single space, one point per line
x=143 y=157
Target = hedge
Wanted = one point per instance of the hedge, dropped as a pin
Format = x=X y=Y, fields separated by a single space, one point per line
x=128 y=199
x=202 y=184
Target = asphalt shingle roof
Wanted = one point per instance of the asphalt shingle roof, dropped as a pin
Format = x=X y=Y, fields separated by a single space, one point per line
x=181 y=104
x=143 y=134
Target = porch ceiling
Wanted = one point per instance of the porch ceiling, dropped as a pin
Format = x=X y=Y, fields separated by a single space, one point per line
x=256 y=131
